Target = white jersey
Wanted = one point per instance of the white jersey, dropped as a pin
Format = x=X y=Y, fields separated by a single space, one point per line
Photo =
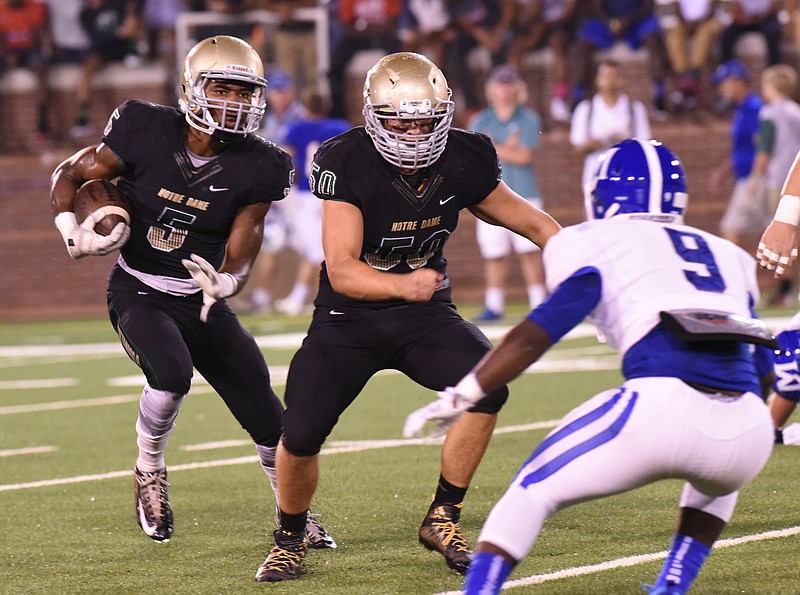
x=647 y=267
x=654 y=426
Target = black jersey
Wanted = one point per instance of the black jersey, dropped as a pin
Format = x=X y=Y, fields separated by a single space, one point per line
x=407 y=219
x=178 y=208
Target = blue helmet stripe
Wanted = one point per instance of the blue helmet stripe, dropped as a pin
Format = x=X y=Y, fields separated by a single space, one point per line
x=656 y=175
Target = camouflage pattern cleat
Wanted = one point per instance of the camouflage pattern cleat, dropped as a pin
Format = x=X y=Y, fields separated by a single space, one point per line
x=318 y=537
x=152 y=504
x=440 y=532
x=285 y=560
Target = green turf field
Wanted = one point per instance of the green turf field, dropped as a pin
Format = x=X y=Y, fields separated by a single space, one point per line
x=68 y=400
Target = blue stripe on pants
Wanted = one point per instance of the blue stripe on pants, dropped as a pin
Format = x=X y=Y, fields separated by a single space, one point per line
x=566 y=457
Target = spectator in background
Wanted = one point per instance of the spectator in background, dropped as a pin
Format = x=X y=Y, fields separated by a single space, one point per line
x=426 y=28
x=159 y=18
x=631 y=21
x=552 y=24
x=70 y=41
x=748 y=209
x=25 y=43
x=690 y=29
x=365 y=24
x=294 y=41
x=236 y=27
x=754 y=16
x=778 y=144
x=605 y=119
x=283 y=109
x=303 y=138
x=514 y=130
x=113 y=27
x=478 y=24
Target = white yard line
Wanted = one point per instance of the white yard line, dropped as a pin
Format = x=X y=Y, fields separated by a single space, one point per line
x=33 y=450
x=42 y=383
x=343 y=446
x=76 y=404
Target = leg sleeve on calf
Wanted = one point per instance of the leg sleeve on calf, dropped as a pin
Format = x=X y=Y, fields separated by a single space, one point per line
x=157 y=412
x=266 y=455
x=721 y=507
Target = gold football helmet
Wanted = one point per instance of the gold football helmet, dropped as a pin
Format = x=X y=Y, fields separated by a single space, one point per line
x=229 y=59
x=407 y=86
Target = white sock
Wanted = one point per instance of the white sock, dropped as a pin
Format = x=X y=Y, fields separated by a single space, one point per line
x=261 y=297
x=536 y=295
x=495 y=299
x=266 y=455
x=298 y=294
x=157 y=412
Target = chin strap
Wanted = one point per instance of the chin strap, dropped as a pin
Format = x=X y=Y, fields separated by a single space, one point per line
x=228 y=138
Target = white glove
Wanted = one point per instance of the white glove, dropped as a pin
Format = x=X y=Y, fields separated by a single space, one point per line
x=81 y=240
x=452 y=402
x=791 y=435
x=215 y=286
x=441 y=412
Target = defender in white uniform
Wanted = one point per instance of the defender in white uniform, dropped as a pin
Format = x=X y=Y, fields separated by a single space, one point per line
x=678 y=304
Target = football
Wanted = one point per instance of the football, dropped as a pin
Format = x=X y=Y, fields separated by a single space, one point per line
x=105 y=196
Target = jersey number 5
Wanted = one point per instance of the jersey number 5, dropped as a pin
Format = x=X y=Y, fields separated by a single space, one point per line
x=692 y=248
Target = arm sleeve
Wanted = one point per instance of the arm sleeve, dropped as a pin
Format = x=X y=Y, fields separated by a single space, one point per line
x=569 y=304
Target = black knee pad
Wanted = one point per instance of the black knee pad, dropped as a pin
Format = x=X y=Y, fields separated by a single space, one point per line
x=299 y=448
x=168 y=379
x=493 y=402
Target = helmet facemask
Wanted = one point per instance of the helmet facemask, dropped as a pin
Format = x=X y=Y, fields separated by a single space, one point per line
x=247 y=115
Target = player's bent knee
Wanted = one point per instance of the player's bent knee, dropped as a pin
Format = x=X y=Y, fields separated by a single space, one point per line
x=301 y=446
x=168 y=378
x=493 y=402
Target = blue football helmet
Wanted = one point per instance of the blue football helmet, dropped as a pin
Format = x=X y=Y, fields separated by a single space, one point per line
x=637 y=176
x=785 y=365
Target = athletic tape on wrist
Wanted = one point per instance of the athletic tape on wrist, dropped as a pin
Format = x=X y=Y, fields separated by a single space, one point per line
x=469 y=388
x=234 y=282
x=65 y=222
x=788 y=210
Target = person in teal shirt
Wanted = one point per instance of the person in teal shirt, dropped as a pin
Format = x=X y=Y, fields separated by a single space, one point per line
x=514 y=130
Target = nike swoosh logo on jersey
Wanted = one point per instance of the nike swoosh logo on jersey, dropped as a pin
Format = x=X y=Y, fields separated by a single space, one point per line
x=215 y=189
x=336 y=313
x=446 y=200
